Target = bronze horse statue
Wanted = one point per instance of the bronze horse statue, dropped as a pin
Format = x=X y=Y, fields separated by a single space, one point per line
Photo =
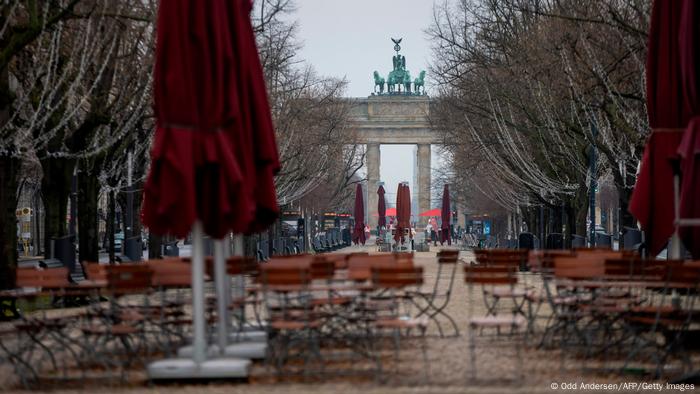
x=407 y=82
x=419 y=82
x=378 y=81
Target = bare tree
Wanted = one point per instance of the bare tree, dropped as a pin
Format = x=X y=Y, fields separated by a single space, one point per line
x=528 y=87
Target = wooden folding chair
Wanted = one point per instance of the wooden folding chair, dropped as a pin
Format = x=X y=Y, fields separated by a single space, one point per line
x=490 y=276
x=114 y=337
x=667 y=317
x=294 y=326
x=437 y=299
x=40 y=337
x=392 y=282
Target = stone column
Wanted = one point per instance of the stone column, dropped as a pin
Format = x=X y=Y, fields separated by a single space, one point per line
x=423 y=188
x=373 y=158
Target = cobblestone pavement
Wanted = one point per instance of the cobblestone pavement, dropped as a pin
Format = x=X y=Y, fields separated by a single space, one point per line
x=448 y=360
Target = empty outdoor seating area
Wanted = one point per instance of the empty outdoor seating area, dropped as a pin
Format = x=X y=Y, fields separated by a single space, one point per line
x=312 y=316
x=372 y=316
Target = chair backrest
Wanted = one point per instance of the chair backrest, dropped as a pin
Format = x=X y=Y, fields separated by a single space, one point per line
x=448 y=252
x=579 y=267
x=360 y=266
x=683 y=275
x=322 y=269
x=603 y=253
x=129 y=278
x=172 y=272
x=490 y=275
x=594 y=249
x=448 y=256
x=398 y=276
x=240 y=265
x=339 y=259
x=96 y=271
x=285 y=278
x=300 y=261
x=548 y=256
x=633 y=266
x=47 y=279
x=515 y=257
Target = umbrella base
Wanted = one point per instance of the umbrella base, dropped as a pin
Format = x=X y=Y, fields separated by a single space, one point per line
x=250 y=350
x=248 y=336
x=183 y=369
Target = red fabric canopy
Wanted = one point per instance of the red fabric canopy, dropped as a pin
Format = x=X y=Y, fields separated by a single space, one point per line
x=432 y=212
x=403 y=212
x=652 y=198
x=445 y=214
x=381 y=206
x=689 y=149
x=358 y=235
x=214 y=153
x=387 y=212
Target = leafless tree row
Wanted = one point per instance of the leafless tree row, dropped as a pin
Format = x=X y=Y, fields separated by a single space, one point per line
x=528 y=87
x=76 y=103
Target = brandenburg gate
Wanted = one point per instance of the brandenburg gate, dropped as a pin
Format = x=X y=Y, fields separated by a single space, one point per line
x=398 y=116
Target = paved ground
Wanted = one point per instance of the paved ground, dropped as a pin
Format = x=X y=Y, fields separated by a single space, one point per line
x=448 y=361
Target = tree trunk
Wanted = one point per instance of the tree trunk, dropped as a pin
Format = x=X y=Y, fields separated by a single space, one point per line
x=570 y=222
x=528 y=217
x=9 y=178
x=123 y=216
x=626 y=220
x=155 y=244
x=55 y=190
x=136 y=205
x=111 y=226
x=577 y=214
x=581 y=211
x=557 y=223
x=88 y=192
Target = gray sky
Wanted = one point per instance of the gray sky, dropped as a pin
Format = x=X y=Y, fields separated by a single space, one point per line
x=351 y=39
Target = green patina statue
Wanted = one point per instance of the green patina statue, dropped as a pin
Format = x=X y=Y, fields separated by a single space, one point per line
x=399 y=77
x=419 y=83
x=378 y=81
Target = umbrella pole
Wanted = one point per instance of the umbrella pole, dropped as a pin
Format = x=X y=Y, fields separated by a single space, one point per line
x=239 y=281
x=221 y=291
x=199 y=338
x=674 y=249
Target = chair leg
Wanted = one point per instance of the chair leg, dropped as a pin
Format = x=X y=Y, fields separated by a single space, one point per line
x=472 y=353
x=519 y=356
x=397 y=347
x=424 y=349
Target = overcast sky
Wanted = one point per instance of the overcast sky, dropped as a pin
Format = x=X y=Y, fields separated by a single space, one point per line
x=352 y=39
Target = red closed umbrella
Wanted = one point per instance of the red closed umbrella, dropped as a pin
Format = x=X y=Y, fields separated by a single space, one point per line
x=652 y=199
x=381 y=207
x=403 y=212
x=689 y=149
x=407 y=208
x=214 y=154
x=445 y=215
x=358 y=235
x=399 y=213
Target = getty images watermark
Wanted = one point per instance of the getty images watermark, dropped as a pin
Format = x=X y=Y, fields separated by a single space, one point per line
x=622 y=386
